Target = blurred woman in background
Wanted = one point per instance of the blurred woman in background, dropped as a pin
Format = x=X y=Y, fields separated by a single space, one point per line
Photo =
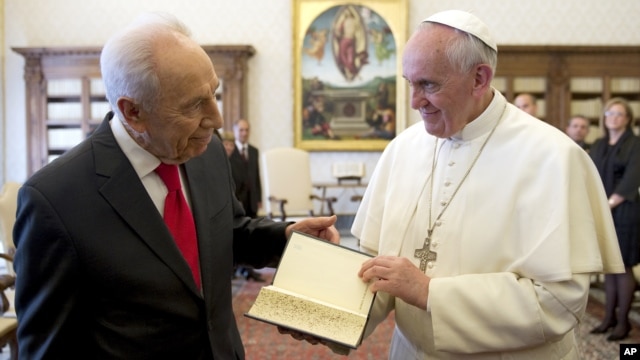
x=617 y=157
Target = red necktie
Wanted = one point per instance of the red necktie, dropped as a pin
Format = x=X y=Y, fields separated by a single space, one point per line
x=179 y=219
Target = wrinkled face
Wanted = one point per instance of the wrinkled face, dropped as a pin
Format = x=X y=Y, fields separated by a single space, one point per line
x=181 y=124
x=442 y=95
x=526 y=103
x=616 y=118
x=241 y=131
x=578 y=128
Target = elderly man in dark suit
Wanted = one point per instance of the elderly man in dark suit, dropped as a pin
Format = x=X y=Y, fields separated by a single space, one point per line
x=99 y=273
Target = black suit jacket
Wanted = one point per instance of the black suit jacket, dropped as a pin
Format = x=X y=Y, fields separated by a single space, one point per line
x=99 y=275
x=246 y=175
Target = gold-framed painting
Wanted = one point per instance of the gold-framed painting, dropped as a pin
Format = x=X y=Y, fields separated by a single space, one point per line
x=348 y=88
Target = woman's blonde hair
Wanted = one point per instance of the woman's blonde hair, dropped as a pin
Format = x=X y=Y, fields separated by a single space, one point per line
x=227 y=136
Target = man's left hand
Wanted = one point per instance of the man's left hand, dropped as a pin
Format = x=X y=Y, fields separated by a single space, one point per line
x=322 y=227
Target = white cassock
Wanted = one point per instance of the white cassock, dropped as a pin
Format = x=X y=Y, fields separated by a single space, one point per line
x=515 y=248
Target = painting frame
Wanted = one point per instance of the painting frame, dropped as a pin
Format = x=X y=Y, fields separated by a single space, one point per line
x=353 y=98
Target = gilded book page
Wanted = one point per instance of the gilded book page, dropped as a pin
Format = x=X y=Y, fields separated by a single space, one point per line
x=308 y=316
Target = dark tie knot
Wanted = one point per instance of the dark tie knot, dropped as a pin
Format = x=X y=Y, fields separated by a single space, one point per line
x=169 y=175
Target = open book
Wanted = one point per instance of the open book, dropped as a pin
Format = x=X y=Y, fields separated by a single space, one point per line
x=316 y=290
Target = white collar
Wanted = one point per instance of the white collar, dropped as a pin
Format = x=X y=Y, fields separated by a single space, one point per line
x=143 y=162
x=485 y=122
x=240 y=145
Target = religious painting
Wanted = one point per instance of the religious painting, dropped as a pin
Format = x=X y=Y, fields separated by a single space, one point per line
x=349 y=91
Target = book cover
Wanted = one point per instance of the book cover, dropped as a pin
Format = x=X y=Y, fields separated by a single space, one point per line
x=316 y=290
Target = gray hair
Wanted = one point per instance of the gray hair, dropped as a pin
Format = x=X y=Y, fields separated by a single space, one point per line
x=127 y=59
x=466 y=51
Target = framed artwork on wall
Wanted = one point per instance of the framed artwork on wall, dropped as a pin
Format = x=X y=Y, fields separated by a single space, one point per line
x=349 y=91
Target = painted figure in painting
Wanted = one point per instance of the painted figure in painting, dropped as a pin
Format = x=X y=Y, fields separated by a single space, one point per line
x=348 y=98
x=317 y=43
x=383 y=125
x=383 y=119
x=315 y=120
x=381 y=43
x=350 y=41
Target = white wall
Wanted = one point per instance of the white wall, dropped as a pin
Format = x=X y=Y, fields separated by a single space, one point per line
x=267 y=25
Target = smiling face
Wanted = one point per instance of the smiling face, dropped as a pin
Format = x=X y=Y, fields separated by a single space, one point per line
x=179 y=124
x=446 y=97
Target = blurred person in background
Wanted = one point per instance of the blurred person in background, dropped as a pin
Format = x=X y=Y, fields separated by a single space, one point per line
x=617 y=157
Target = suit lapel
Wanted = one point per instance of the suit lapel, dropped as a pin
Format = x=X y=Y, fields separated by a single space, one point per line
x=126 y=194
x=199 y=193
x=209 y=181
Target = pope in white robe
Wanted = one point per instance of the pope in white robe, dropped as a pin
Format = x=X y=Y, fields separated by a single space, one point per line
x=519 y=222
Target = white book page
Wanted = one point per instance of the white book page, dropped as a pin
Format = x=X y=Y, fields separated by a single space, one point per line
x=327 y=272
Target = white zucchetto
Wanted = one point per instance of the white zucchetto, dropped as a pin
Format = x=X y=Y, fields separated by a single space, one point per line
x=466 y=22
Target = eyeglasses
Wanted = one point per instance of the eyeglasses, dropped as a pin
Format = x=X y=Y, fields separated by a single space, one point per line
x=614 y=113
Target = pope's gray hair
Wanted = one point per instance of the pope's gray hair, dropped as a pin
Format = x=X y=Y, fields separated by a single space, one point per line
x=466 y=51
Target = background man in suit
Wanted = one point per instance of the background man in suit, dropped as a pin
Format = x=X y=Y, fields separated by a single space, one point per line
x=100 y=275
x=578 y=130
x=246 y=173
x=245 y=163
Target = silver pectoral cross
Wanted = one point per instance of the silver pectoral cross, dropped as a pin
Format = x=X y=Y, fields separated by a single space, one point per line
x=425 y=254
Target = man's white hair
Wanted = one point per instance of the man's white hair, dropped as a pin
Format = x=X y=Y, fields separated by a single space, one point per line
x=127 y=60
